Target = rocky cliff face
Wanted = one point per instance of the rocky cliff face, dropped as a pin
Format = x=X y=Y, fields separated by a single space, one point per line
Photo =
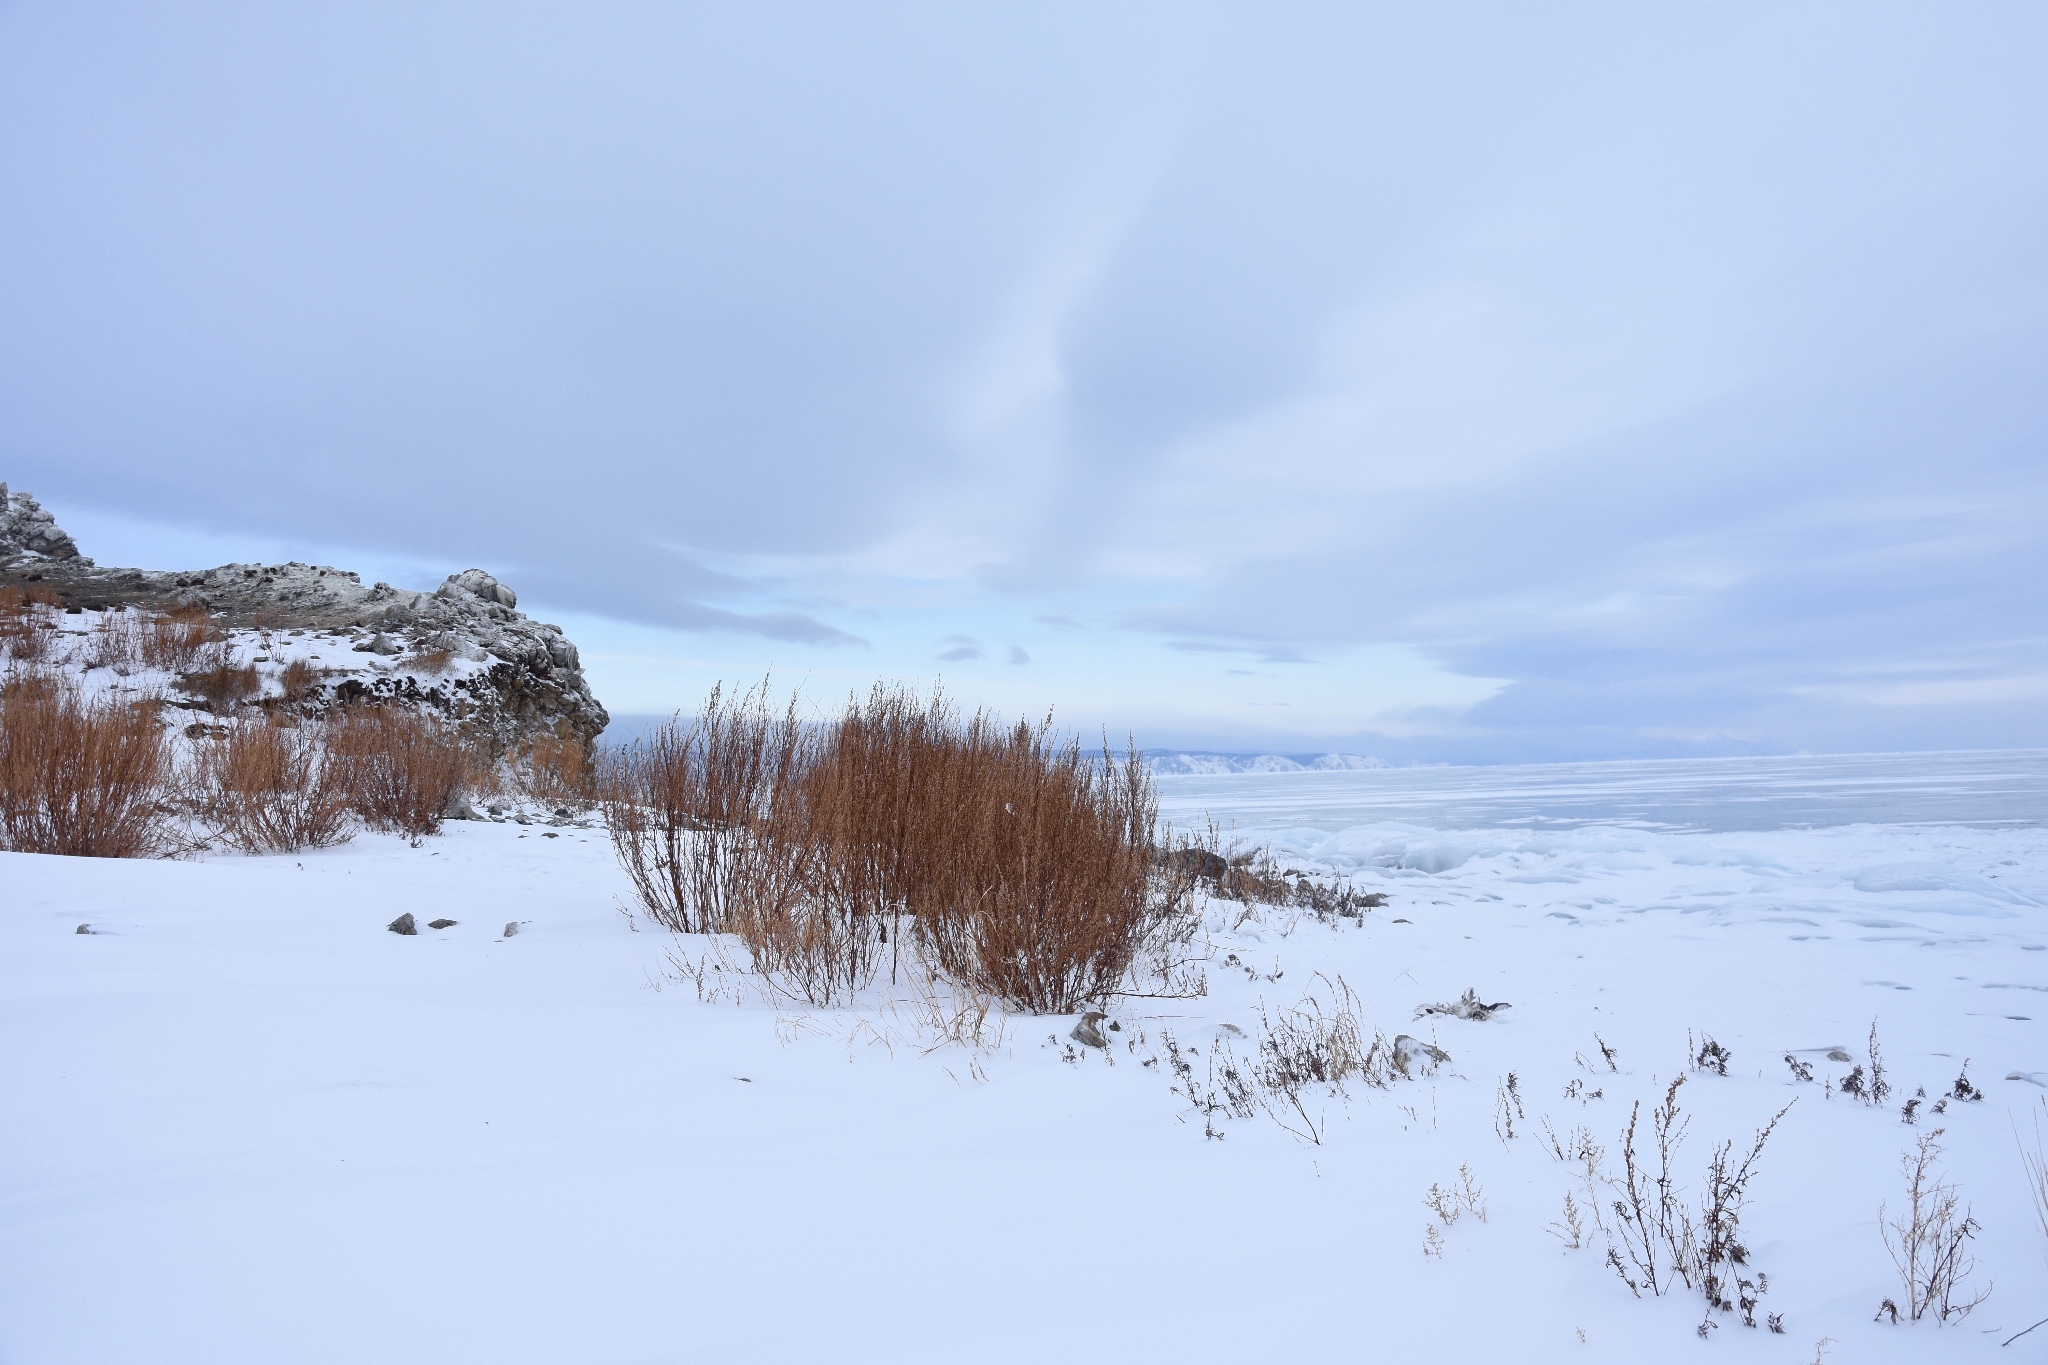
x=463 y=649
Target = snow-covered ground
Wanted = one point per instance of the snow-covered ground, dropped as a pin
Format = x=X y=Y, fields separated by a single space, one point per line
x=242 y=1122
x=78 y=648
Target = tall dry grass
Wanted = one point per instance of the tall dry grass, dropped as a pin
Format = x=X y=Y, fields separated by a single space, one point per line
x=116 y=643
x=270 y=786
x=557 y=772
x=1003 y=857
x=175 y=641
x=218 y=680
x=28 y=625
x=87 y=777
x=401 y=769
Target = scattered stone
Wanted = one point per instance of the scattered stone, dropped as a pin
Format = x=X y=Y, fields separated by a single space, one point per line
x=1839 y=1054
x=459 y=807
x=441 y=924
x=1466 y=1006
x=511 y=928
x=1413 y=1057
x=404 y=924
x=85 y=928
x=1087 y=1034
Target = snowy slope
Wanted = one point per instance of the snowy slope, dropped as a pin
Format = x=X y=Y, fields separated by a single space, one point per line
x=247 y=1124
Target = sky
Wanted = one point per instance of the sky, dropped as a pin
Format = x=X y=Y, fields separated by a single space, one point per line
x=1467 y=383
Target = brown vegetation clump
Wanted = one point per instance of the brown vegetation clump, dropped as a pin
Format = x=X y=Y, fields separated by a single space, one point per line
x=1003 y=857
x=558 y=772
x=400 y=769
x=268 y=786
x=432 y=660
x=219 y=681
x=1037 y=887
x=685 y=807
x=116 y=643
x=86 y=777
x=27 y=624
x=299 y=680
x=174 y=641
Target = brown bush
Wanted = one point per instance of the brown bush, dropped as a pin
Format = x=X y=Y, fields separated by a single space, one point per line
x=84 y=777
x=268 y=786
x=431 y=660
x=686 y=803
x=557 y=772
x=116 y=643
x=1038 y=888
x=299 y=680
x=399 y=768
x=1008 y=860
x=28 y=624
x=175 y=640
x=219 y=681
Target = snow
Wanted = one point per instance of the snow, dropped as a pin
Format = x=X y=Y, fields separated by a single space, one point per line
x=245 y=1123
x=269 y=652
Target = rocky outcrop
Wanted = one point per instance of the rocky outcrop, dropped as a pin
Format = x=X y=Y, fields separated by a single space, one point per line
x=463 y=649
x=28 y=533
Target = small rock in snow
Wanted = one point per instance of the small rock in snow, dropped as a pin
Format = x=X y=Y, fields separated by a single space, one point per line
x=1839 y=1054
x=1087 y=1034
x=511 y=928
x=1413 y=1057
x=403 y=924
x=441 y=924
x=85 y=928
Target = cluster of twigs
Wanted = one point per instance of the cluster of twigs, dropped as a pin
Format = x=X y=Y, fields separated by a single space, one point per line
x=1658 y=1240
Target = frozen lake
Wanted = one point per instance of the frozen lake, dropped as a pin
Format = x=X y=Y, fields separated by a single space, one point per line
x=1986 y=788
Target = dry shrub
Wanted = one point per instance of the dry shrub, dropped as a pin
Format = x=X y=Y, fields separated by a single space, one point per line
x=86 y=777
x=116 y=643
x=1013 y=865
x=299 y=680
x=685 y=805
x=1035 y=881
x=849 y=853
x=174 y=641
x=219 y=681
x=268 y=786
x=399 y=768
x=1656 y=1231
x=27 y=624
x=431 y=660
x=1930 y=1241
x=558 y=772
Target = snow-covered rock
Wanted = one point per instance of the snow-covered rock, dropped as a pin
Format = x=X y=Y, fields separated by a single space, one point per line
x=463 y=649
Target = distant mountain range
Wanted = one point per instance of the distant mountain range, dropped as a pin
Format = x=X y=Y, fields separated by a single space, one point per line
x=1168 y=763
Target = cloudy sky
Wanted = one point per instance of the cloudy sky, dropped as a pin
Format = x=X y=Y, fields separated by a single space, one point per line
x=1440 y=381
